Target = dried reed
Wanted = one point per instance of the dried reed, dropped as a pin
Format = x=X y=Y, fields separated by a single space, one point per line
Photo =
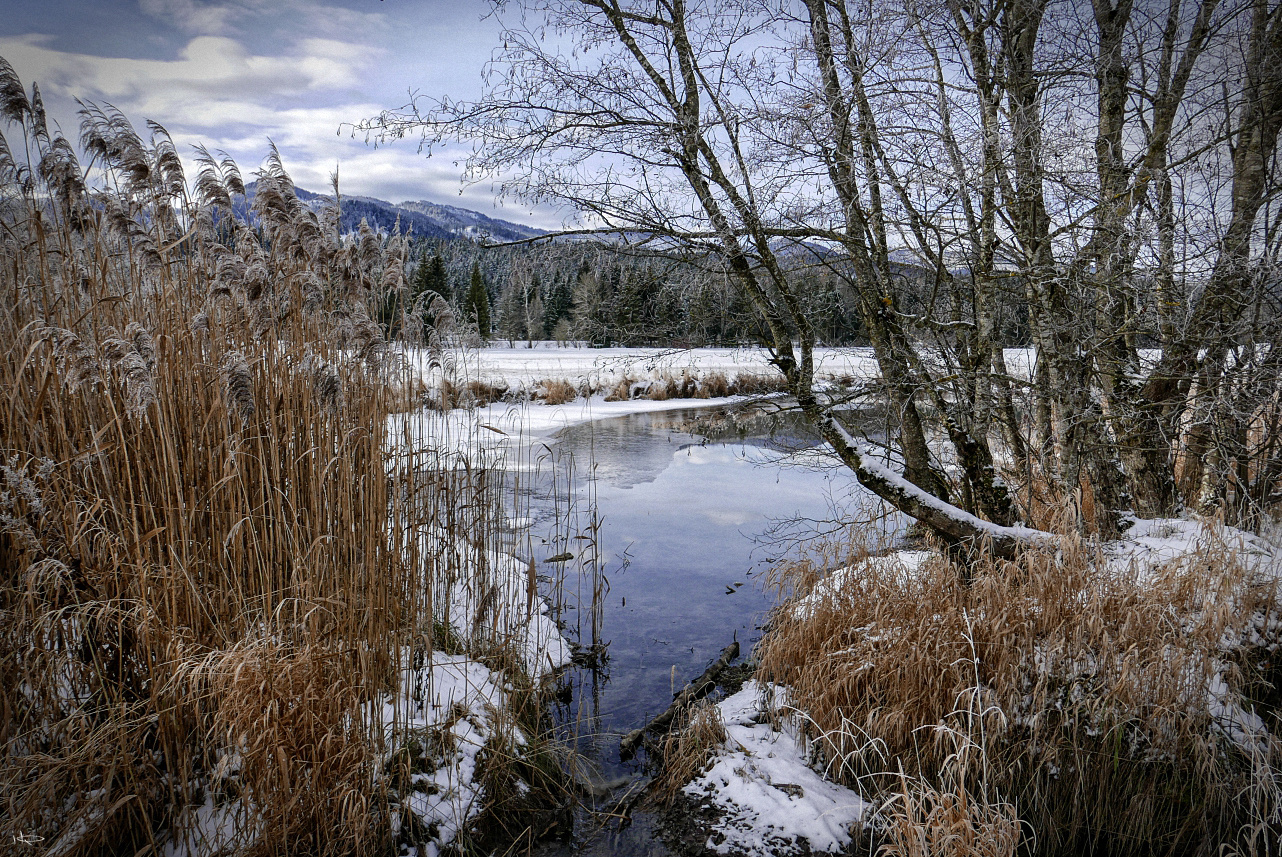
x=210 y=563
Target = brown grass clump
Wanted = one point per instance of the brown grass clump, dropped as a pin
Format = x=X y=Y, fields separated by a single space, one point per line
x=714 y=385
x=688 y=750
x=1084 y=697
x=758 y=385
x=662 y=389
x=673 y=387
x=457 y=393
x=621 y=391
x=285 y=720
x=923 y=821
x=556 y=392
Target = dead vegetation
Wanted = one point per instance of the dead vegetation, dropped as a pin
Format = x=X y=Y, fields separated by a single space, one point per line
x=687 y=751
x=556 y=392
x=714 y=385
x=211 y=569
x=1057 y=701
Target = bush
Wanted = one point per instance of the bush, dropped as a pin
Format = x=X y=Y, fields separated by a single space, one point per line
x=557 y=392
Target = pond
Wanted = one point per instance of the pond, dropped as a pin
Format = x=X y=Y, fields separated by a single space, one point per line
x=683 y=502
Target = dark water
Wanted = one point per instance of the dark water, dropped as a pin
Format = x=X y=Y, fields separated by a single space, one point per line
x=682 y=501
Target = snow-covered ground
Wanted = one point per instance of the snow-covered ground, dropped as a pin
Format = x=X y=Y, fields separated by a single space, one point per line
x=447 y=711
x=769 y=800
x=499 y=429
x=522 y=367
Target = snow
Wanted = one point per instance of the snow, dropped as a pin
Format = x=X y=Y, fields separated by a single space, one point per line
x=771 y=802
x=451 y=706
x=869 y=463
x=504 y=427
x=901 y=565
x=1150 y=544
x=510 y=615
x=522 y=367
x=212 y=828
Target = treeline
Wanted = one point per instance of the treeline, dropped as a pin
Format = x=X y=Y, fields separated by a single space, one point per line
x=611 y=296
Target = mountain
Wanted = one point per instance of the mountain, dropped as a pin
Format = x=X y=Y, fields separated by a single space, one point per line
x=470 y=224
x=421 y=218
x=425 y=219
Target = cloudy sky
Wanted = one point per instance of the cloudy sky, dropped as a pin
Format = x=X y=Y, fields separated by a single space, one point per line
x=233 y=73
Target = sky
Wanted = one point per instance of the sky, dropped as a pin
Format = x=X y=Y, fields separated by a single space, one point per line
x=234 y=74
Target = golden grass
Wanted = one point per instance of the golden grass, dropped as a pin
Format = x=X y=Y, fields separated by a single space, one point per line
x=209 y=561
x=713 y=385
x=1077 y=694
x=688 y=750
x=920 y=820
x=556 y=392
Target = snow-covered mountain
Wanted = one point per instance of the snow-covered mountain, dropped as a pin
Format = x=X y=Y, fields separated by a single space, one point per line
x=472 y=224
x=422 y=218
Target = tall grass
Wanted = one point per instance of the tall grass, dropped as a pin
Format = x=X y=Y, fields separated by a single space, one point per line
x=1058 y=701
x=210 y=564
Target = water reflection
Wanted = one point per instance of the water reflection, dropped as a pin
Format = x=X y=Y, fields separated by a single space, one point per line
x=680 y=498
x=678 y=514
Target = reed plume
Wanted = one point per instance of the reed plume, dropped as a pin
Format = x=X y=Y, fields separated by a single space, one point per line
x=212 y=565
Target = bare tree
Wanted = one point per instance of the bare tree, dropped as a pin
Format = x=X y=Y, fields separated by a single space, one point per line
x=955 y=166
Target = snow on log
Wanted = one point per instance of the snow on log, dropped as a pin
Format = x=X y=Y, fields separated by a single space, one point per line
x=940 y=515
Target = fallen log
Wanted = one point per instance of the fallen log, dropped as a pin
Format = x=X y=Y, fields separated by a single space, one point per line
x=695 y=690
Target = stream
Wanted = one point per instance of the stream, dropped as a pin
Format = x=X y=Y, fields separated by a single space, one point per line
x=683 y=501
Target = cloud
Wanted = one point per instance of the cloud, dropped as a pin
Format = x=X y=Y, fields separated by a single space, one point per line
x=208 y=68
x=224 y=85
x=191 y=16
x=244 y=18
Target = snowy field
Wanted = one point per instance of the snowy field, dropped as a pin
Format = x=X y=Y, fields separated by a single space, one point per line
x=522 y=367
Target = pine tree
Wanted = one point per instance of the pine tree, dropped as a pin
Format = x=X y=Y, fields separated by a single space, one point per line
x=429 y=276
x=510 y=321
x=476 y=304
x=559 y=303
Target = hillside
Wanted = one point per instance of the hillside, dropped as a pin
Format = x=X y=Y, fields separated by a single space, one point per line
x=423 y=218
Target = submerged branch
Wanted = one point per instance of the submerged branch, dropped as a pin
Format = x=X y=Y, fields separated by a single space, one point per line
x=695 y=690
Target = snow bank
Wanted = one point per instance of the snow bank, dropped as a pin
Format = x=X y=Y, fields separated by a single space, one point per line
x=769 y=800
x=503 y=609
x=1152 y=543
x=447 y=710
x=490 y=434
